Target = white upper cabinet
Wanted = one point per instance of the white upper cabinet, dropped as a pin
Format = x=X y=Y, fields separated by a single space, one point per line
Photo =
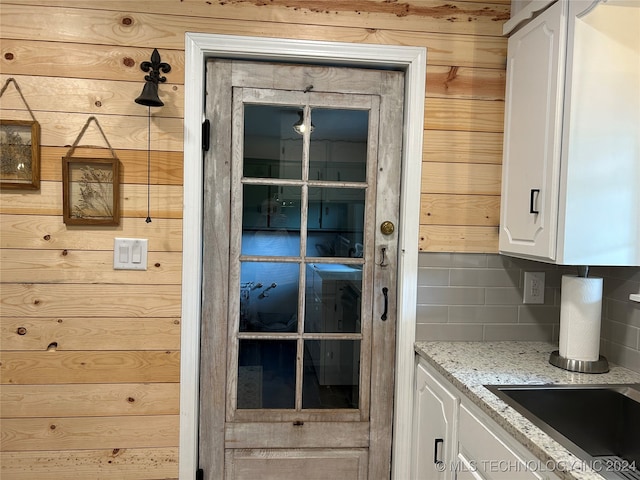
x=533 y=118
x=571 y=165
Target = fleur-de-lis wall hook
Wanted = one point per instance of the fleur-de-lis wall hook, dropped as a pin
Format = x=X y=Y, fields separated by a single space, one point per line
x=149 y=98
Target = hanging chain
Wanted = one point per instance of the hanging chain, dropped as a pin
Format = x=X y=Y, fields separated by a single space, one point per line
x=148 y=220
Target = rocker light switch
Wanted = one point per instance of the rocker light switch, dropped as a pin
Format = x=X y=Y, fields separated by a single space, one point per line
x=130 y=254
x=136 y=254
x=123 y=251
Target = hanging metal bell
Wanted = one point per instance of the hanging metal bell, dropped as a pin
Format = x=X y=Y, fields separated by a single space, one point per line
x=149 y=96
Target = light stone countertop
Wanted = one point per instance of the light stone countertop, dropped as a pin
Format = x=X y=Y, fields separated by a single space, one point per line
x=471 y=365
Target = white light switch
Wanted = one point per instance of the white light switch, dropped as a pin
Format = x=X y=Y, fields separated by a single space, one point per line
x=136 y=253
x=130 y=254
x=124 y=253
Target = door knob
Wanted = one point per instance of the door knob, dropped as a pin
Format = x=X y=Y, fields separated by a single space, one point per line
x=387 y=227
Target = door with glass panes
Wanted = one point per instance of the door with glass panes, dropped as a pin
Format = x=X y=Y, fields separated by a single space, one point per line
x=299 y=275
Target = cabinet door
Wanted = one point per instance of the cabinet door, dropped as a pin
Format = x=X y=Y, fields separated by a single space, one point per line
x=434 y=416
x=533 y=117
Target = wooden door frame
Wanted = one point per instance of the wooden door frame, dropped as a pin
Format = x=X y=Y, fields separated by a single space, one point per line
x=412 y=60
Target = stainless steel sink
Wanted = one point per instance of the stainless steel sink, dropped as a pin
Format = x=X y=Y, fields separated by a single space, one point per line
x=600 y=424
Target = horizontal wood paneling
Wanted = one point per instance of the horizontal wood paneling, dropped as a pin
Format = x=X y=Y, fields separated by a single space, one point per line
x=47 y=300
x=86 y=333
x=465 y=82
x=55 y=94
x=166 y=167
x=461 y=147
x=24 y=54
x=445 y=209
x=463 y=115
x=48 y=232
x=122 y=132
x=83 y=266
x=443 y=48
x=465 y=238
x=55 y=368
x=116 y=333
x=107 y=464
x=418 y=16
x=461 y=178
x=89 y=400
x=69 y=433
x=166 y=201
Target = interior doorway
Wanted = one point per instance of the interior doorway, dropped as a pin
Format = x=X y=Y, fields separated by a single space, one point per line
x=413 y=61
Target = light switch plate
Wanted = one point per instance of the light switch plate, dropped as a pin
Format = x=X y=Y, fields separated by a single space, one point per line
x=130 y=254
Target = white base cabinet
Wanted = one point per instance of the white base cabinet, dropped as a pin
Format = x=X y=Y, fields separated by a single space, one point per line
x=435 y=411
x=473 y=445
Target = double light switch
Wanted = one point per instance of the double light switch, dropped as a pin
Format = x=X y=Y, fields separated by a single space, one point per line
x=130 y=254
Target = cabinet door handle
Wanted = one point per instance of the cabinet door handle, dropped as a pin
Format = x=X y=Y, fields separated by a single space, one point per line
x=385 y=292
x=436 y=451
x=532 y=200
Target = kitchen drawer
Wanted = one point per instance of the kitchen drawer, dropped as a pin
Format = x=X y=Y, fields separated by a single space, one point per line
x=489 y=456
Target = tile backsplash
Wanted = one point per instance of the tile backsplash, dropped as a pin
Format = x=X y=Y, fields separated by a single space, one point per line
x=478 y=297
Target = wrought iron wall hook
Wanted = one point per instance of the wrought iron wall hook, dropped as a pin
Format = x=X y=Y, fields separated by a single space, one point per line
x=149 y=98
x=155 y=66
x=383 y=262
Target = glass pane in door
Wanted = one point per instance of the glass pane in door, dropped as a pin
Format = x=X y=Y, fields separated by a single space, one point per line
x=338 y=149
x=268 y=129
x=271 y=220
x=331 y=374
x=266 y=374
x=335 y=222
x=269 y=297
x=333 y=298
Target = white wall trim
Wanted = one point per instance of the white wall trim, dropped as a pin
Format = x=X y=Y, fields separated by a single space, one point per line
x=198 y=47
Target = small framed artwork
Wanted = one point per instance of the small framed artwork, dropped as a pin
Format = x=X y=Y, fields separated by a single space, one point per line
x=91 y=191
x=19 y=154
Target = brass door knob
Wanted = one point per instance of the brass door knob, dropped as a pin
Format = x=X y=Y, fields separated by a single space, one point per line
x=387 y=227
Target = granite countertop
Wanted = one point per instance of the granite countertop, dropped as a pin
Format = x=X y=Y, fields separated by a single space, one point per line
x=471 y=365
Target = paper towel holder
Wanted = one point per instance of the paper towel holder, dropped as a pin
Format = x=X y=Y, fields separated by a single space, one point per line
x=582 y=366
x=601 y=365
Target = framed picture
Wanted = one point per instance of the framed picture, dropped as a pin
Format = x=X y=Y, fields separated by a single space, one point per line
x=19 y=154
x=91 y=191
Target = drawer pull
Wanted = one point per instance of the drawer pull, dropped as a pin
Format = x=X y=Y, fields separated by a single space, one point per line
x=437 y=451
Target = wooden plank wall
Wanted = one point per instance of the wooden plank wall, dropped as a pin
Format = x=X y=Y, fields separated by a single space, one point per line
x=90 y=356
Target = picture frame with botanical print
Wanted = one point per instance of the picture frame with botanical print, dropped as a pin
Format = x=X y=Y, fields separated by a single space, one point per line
x=91 y=191
x=19 y=154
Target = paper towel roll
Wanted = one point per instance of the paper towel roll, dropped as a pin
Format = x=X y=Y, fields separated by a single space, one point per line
x=580 y=317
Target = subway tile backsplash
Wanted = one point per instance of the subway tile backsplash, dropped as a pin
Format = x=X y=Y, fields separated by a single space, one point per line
x=478 y=297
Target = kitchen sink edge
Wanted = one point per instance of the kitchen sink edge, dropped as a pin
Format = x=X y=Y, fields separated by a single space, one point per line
x=608 y=442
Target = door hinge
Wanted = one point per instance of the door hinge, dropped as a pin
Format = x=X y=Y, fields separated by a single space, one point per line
x=206 y=133
x=200 y=474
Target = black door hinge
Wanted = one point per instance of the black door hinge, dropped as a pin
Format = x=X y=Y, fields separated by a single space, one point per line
x=200 y=474
x=206 y=133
